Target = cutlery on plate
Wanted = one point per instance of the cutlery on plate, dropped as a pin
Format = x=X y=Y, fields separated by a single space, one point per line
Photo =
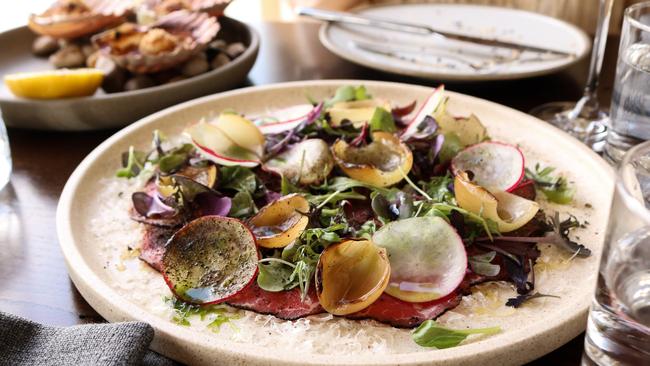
x=343 y=17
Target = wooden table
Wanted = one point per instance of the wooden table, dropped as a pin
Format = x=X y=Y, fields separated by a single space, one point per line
x=33 y=279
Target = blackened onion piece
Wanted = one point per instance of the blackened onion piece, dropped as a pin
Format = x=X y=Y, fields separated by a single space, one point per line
x=210 y=260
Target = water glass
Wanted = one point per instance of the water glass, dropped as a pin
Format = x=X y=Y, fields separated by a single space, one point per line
x=630 y=109
x=618 y=330
x=5 y=155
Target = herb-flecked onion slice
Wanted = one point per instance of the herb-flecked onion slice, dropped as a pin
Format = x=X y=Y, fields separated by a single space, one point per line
x=350 y=276
x=427 y=258
x=210 y=260
x=497 y=166
x=358 y=112
x=280 y=222
x=508 y=211
x=381 y=163
x=308 y=162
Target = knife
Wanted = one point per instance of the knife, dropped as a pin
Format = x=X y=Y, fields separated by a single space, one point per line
x=342 y=17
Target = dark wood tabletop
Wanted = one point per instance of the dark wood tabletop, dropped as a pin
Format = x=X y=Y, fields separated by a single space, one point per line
x=33 y=279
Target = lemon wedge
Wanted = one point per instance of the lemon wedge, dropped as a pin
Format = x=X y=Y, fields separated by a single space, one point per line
x=55 y=84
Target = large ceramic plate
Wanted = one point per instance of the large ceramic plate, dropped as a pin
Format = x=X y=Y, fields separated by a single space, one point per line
x=427 y=57
x=121 y=288
x=102 y=110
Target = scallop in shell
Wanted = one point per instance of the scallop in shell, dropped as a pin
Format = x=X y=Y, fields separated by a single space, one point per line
x=78 y=18
x=157 y=8
x=168 y=42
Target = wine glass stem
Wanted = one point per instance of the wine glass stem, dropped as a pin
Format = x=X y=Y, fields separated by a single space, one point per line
x=590 y=95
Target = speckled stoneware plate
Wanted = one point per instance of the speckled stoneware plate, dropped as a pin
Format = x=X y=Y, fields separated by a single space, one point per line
x=102 y=111
x=431 y=58
x=94 y=231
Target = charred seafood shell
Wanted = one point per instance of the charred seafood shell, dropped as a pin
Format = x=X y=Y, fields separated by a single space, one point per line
x=78 y=18
x=157 y=8
x=168 y=42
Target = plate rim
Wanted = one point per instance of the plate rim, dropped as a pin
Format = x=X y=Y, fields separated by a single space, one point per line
x=250 y=51
x=113 y=307
x=439 y=76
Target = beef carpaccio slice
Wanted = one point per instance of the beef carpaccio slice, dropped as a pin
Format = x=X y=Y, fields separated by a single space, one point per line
x=401 y=314
x=387 y=309
x=288 y=305
x=285 y=304
x=152 y=246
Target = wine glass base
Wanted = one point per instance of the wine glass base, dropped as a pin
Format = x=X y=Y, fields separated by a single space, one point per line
x=590 y=126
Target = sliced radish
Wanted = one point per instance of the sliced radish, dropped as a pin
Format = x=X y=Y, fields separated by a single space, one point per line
x=241 y=131
x=427 y=109
x=497 y=166
x=283 y=119
x=427 y=258
x=210 y=260
x=217 y=147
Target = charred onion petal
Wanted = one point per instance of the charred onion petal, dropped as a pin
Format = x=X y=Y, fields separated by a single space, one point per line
x=427 y=258
x=358 y=112
x=469 y=130
x=350 y=276
x=280 y=222
x=510 y=212
x=206 y=175
x=497 y=166
x=381 y=163
x=210 y=260
x=308 y=162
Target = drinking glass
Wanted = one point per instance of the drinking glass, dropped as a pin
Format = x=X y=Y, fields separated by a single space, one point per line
x=618 y=330
x=5 y=155
x=585 y=120
x=630 y=110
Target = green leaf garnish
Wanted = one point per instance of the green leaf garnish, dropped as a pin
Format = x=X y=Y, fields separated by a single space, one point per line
x=237 y=178
x=430 y=334
x=382 y=120
x=555 y=188
x=134 y=164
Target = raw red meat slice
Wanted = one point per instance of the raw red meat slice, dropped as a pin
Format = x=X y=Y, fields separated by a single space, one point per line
x=153 y=243
x=398 y=313
x=284 y=305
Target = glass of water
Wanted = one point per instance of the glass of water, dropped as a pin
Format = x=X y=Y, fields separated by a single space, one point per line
x=630 y=109
x=5 y=155
x=618 y=330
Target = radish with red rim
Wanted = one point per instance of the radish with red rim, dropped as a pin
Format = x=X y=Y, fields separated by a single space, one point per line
x=210 y=259
x=216 y=146
x=284 y=119
x=427 y=258
x=497 y=166
x=427 y=109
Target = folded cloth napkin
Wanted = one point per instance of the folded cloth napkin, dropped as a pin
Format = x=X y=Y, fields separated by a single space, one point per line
x=23 y=342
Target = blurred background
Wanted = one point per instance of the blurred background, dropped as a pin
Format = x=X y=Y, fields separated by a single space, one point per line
x=582 y=13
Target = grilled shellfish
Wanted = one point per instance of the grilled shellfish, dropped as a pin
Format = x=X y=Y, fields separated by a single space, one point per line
x=168 y=42
x=162 y=7
x=78 y=18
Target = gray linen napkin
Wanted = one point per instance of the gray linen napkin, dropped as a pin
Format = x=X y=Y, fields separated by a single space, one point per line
x=23 y=342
